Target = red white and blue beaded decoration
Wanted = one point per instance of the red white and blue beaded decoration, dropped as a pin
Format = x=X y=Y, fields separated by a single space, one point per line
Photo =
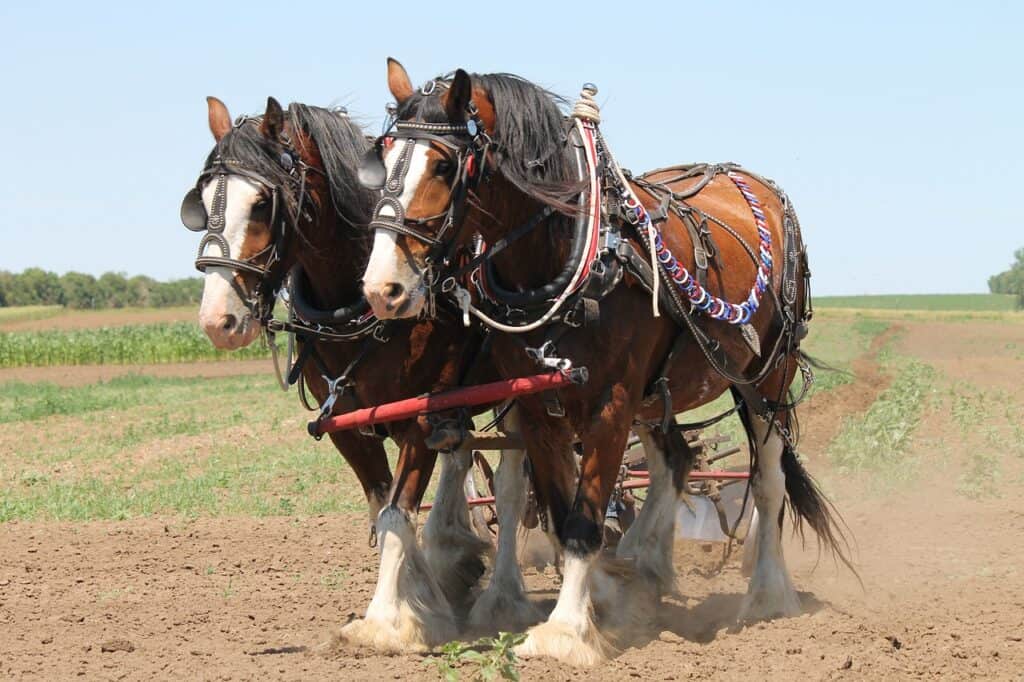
x=701 y=298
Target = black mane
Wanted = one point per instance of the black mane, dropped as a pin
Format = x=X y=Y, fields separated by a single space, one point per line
x=340 y=144
x=529 y=132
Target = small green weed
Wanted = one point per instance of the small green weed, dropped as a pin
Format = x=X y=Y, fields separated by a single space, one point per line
x=494 y=657
x=335 y=579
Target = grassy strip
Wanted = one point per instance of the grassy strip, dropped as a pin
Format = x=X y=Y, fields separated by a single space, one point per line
x=251 y=479
x=29 y=312
x=878 y=440
x=144 y=343
x=20 y=401
x=137 y=446
x=964 y=302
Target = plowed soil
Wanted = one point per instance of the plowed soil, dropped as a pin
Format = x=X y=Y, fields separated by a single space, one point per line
x=940 y=594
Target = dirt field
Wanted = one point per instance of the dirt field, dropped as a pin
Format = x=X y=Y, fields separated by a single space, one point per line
x=938 y=548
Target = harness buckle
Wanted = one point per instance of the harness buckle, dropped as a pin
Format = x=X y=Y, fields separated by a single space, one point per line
x=462 y=299
x=542 y=355
x=335 y=387
x=514 y=315
x=612 y=239
x=379 y=332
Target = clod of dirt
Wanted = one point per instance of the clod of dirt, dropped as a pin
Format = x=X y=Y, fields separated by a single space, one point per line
x=117 y=645
x=894 y=641
x=847 y=664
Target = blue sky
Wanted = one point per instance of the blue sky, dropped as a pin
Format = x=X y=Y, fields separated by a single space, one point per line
x=896 y=130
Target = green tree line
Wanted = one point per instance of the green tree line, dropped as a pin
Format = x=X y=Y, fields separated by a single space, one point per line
x=36 y=286
x=1010 y=281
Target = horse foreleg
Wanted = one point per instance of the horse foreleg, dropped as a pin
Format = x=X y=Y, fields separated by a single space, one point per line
x=570 y=634
x=409 y=611
x=503 y=605
x=453 y=551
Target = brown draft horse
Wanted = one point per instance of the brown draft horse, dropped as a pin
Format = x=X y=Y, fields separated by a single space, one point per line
x=273 y=220
x=530 y=165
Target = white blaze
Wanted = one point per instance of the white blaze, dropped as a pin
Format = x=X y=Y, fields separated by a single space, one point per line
x=219 y=297
x=387 y=264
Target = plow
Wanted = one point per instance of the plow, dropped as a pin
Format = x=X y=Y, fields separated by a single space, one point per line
x=714 y=509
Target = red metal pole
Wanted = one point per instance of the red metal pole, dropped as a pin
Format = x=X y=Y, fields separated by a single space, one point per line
x=461 y=397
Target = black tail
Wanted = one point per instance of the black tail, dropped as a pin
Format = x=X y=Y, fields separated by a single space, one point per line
x=809 y=504
x=806 y=501
x=820 y=364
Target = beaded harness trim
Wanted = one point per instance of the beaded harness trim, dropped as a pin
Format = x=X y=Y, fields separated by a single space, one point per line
x=699 y=297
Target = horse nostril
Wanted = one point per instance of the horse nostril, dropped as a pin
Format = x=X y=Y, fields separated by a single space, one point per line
x=393 y=290
x=229 y=323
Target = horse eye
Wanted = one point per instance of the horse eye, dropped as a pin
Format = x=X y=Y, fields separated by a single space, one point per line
x=261 y=203
x=442 y=168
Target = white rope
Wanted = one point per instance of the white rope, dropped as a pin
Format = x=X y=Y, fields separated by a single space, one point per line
x=651 y=233
x=463 y=298
x=586 y=108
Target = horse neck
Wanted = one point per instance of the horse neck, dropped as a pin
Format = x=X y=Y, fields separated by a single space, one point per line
x=534 y=259
x=333 y=259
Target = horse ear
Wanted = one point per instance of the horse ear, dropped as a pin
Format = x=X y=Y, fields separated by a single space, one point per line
x=398 y=81
x=220 y=119
x=273 y=119
x=460 y=92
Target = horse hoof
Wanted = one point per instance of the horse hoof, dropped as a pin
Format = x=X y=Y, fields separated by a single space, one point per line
x=563 y=643
x=781 y=601
x=385 y=637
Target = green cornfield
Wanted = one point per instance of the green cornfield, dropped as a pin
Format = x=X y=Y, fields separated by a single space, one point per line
x=130 y=344
x=934 y=302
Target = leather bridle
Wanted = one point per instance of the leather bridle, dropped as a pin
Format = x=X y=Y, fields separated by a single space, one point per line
x=465 y=144
x=259 y=301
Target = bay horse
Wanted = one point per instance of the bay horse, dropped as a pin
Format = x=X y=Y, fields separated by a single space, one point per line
x=278 y=195
x=494 y=154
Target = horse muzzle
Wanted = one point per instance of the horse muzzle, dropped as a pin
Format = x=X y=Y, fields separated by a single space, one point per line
x=392 y=300
x=227 y=331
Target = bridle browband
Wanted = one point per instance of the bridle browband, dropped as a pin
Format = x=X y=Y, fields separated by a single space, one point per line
x=194 y=216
